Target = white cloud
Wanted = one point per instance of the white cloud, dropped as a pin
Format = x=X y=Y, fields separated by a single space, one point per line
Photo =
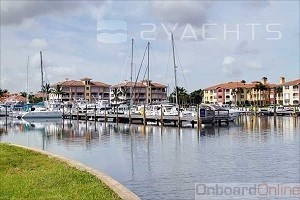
x=254 y=65
x=17 y=12
x=229 y=66
x=181 y=12
x=243 y=47
x=38 y=44
x=257 y=4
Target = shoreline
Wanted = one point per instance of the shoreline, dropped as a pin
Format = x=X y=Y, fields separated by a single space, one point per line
x=114 y=185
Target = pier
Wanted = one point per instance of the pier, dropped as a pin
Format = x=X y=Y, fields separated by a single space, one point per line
x=164 y=120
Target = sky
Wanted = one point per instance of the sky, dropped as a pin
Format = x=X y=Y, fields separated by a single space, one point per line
x=215 y=41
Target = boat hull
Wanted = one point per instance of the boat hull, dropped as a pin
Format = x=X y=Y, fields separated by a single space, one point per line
x=46 y=114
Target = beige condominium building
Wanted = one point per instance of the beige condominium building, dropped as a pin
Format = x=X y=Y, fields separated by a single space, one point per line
x=83 y=89
x=142 y=92
x=240 y=93
x=290 y=92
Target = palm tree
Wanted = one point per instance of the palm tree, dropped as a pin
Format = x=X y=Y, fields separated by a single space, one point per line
x=261 y=88
x=277 y=90
x=23 y=94
x=182 y=95
x=3 y=91
x=236 y=92
x=47 y=90
x=58 y=91
x=116 y=93
x=197 y=96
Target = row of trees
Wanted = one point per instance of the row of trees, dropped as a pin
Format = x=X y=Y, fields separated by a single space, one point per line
x=260 y=89
x=184 y=98
x=46 y=90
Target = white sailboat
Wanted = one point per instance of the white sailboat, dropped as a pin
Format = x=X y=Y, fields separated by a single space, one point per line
x=50 y=110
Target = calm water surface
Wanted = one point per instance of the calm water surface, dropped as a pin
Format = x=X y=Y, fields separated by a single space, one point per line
x=165 y=162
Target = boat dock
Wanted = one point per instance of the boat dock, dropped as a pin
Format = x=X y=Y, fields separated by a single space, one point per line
x=207 y=117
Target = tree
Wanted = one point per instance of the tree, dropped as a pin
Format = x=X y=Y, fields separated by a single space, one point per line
x=237 y=92
x=23 y=94
x=116 y=93
x=243 y=81
x=58 y=91
x=196 y=96
x=277 y=90
x=3 y=91
x=183 y=96
x=47 y=90
x=261 y=88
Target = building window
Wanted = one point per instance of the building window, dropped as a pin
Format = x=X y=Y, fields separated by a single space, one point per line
x=87 y=94
x=87 y=88
x=287 y=96
x=227 y=90
x=242 y=96
x=286 y=87
x=227 y=96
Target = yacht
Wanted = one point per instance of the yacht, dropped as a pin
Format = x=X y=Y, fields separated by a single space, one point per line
x=222 y=111
x=42 y=112
x=48 y=110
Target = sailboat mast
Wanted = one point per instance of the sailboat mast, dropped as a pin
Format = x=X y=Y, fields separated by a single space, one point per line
x=42 y=73
x=175 y=69
x=148 y=74
x=27 y=85
x=131 y=71
x=148 y=64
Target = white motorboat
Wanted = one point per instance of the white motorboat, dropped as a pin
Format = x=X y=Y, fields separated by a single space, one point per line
x=42 y=112
x=221 y=111
x=165 y=109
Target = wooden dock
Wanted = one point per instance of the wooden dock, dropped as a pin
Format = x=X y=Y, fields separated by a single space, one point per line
x=210 y=118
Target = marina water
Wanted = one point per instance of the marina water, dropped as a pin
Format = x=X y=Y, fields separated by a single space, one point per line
x=165 y=162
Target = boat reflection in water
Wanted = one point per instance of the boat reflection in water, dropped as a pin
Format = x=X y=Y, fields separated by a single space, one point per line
x=165 y=162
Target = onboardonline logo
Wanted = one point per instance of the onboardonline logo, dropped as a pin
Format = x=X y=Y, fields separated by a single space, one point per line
x=247 y=191
x=111 y=31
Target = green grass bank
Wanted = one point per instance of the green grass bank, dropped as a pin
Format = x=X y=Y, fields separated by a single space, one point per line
x=26 y=174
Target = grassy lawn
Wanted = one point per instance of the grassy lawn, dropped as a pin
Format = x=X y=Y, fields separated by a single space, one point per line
x=25 y=174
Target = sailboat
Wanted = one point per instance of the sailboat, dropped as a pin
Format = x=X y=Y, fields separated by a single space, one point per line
x=49 y=110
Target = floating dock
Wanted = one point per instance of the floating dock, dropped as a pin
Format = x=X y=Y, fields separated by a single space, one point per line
x=209 y=118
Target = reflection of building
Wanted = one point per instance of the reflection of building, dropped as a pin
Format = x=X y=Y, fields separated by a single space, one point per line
x=84 y=89
x=141 y=92
x=291 y=92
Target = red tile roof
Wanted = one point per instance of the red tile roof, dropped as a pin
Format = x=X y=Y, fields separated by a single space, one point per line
x=141 y=84
x=79 y=83
x=293 y=82
x=13 y=97
x=232 y=85
x=100 y=84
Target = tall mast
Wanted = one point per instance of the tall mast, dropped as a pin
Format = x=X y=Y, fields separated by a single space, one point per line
x=131 y=71
x=42 y=73
x=148 y=65
x=148 y=74
x=175 y=69
x=27 y=87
